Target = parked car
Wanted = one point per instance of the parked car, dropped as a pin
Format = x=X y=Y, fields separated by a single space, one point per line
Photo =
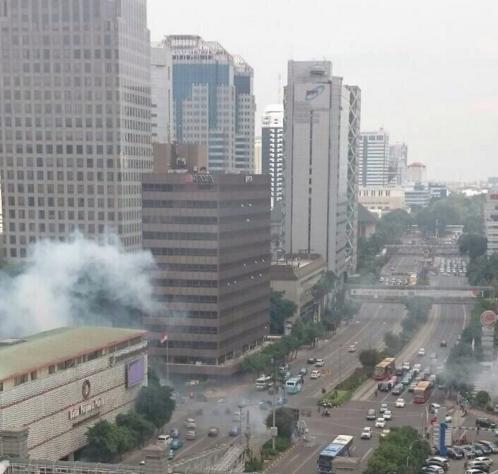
x=437 y=461
x=485 y=423
x=455 y=452
x=366 y=433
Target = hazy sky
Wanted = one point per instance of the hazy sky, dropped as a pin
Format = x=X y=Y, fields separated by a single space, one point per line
x=428 y=69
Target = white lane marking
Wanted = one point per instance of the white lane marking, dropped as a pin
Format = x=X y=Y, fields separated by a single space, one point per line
x=366 y=455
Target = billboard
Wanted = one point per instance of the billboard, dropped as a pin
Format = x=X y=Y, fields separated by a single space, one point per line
x=135 y=372
x=315 y=95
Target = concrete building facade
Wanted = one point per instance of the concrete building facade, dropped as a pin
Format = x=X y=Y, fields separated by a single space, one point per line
x=416 y=173
x=381 y=199
x=213 y=102
x=74 y=121
x=210 y=236
x=317 y=125
x=491 y=220
x=161 y=94
x=272 y=150
x=55 y=385
x=398 y=162
x=373 y=165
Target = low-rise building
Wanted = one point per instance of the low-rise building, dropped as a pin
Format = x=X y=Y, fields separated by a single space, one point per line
x=56 y=384
x=491 y=221
x=417 y=196
x=381 y=199
x=295 y=276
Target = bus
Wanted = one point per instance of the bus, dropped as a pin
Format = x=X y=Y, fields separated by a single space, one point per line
x=293 y=385
x=422 y=392
x=263 y=382
x=341 y=446
x=385 y=369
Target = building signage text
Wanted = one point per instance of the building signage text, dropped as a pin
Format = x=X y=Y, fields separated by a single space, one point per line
x=85 y=409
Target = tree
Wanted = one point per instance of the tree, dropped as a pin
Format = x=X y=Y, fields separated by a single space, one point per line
x=106 y=440
x=140 y=428
x=473 y=245
x=393 y=343
x=401 y=451
x=369 y=358
x=482 y=399
x=285 y=421
x=281 y=309
x=155 y=404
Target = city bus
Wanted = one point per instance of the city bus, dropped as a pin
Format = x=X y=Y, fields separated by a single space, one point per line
x=341 y=446
x=263 y=382
x=385 y=369
x=293 y=385
x=422 y=392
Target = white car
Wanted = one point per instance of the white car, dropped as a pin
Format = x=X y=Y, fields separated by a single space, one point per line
x=421 y=352
x=400 y=403
x=383 y=407
x=406 y=366
x=352 y=348
x=315 y=374
x=484 y=459
x=366 y=433
x=380 y=423
x=319 y=363
x=387 y=415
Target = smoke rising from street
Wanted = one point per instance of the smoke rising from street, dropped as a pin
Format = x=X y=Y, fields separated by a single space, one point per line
x=76 y=282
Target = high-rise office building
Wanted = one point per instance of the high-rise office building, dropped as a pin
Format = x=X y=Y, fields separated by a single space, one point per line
x=75 y=119
x=210 y=236
x=213 y=102
x=161 y=94
x=373 y=163
x=272 y=149
x=398 y=162
x=416 y=172
x=317 y=133
x=491 y=220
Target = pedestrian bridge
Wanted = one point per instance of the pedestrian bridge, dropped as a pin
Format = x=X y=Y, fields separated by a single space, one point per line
x=442 y=295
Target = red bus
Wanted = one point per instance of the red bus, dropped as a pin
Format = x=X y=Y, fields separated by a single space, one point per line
x=422 y=392
x=384 y=369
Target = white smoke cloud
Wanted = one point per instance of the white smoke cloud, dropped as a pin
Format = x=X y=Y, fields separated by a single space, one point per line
x=76 y=282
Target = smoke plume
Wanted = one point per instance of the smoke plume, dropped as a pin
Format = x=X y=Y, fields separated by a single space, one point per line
x=73 y=283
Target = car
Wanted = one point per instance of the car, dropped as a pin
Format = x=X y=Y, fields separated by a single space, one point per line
x=366 y=433
x=142 y=462
x=400 y=403
x=303 y=371
x=484 y=447
x=437 y=461
x=485 y=423
x=406 y=366
x=455 y=452
x=177 y=443
x=319 y=363
x=384 y=432
x=189 y=423
x=234 y=431
x=474 y=471
x=417 y=368
x=264 y=405
x=484 y=459
x=421 y=352
x=311 y=360
x=383 y=407
x=387 y=415
x=380 y=423
x=398 y=389
x=315 y=374
x=174 y=433
x=443 y=343
x=352 y=348
x=213 y=431
x=165 y=439
x=493 y=446
x=432 y=469
x=478 y=465
x=479 y=449
x=371 y=414
x=469 y=451
x=190 y=435
x=171 y=454
x=236 y=416
x=434 y=407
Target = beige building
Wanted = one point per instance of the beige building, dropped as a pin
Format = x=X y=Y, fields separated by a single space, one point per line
x=381 y=199
x=295 y=276
x=55 y=385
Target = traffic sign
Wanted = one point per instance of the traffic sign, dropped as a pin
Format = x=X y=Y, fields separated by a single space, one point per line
x=488 y=318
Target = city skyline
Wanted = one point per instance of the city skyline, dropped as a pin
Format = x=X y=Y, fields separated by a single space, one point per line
x=406 y=77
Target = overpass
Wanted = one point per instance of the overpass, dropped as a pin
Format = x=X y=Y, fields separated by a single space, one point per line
x=438 y=294
x=421 y=249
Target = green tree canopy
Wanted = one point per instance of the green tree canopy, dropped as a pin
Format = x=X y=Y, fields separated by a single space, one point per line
x=482 y=399
x=284 y=420
x=140 y=429
x=106 y=441
x=401 y=451
x=281 y=309
x=369 y=358
x=155 y=404
x=473 y=245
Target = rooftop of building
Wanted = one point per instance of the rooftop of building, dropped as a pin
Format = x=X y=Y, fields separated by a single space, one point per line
x=58 y=345
x=416 y=164
x=295 y=266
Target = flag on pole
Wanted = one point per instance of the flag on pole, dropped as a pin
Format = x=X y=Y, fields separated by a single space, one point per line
x=163 y=337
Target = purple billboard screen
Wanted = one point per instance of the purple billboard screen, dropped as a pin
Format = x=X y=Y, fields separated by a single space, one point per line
x=135 y=372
